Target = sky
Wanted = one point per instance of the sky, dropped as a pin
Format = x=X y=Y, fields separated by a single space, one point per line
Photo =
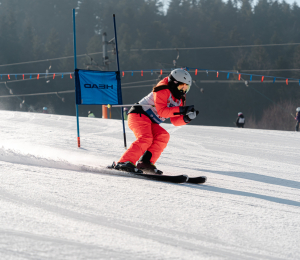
x=58 y=201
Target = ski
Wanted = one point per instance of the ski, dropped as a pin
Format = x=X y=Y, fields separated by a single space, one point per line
x=164 y=178
x=197 y=180
x=157 y=177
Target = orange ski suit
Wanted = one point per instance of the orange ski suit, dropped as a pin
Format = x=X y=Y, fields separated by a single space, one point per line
x=151 y=136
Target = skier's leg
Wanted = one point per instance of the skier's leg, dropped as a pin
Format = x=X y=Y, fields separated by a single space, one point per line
x=141 y=127
x=160 y=140
x=297 y=126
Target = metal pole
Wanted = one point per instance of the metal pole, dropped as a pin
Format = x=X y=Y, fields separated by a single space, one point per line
x=75 y=66
x=105 y=66
x=124 y=134
x=129 y=105
x=104 y=48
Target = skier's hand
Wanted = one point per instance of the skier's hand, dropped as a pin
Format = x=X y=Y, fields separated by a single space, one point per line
x=186 y=109
x=190 y=116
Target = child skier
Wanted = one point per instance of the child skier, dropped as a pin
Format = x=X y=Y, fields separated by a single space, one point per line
x=240 y=121
x=167 y=100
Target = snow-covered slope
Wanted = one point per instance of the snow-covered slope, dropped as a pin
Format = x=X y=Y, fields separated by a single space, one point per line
x=58 y=201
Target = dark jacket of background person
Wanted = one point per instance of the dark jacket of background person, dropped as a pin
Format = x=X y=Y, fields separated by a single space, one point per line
x=240 y=121
x=298 y=117
x=298 y=121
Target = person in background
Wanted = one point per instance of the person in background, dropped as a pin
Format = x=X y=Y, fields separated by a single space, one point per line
x=125 y=113
x=166 y=100
x=297 y=118
x=91 y=114
x=45 y=110
x=240 y=121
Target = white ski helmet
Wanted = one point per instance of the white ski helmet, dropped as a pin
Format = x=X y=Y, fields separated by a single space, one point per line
x=298 y=109
x=240 y=113
x=182 y=76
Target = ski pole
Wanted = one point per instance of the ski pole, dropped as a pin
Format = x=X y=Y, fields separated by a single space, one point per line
x=130 y=105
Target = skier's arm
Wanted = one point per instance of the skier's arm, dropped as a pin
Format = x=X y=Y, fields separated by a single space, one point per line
x=161 y=104
x=177 y=121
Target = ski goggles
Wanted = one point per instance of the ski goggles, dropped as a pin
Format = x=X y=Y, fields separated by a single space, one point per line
x=184 y=88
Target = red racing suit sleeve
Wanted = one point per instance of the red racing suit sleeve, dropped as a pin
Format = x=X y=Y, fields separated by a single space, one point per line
x=161 y=105
x=178 y=121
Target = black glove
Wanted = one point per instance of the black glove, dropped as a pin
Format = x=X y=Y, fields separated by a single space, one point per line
x=186 y=109
x=189 y=113
x=190 y=116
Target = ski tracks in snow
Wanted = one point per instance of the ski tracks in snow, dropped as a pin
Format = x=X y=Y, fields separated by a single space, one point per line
x=59 y=201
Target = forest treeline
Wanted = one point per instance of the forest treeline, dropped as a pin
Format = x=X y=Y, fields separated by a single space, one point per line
x=34 y=30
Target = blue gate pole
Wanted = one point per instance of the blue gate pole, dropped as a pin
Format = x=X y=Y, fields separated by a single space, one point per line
x=75 y=66
x=124 y=134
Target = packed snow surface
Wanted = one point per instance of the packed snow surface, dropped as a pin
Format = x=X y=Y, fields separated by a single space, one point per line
x=58 y=201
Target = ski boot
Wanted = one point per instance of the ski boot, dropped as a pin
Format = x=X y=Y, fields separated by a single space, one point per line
x=145 y=164
x=126 y=167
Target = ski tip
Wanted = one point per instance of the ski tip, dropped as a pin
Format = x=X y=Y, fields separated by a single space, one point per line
x=197 y=180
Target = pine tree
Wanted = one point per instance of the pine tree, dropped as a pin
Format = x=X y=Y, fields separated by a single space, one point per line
x=52 y=46
x=296 y=62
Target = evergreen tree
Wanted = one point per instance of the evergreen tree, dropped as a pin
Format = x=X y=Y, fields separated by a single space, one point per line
x=52 y=46
x=296 y=62
x=67 y=64
x=41 y=30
